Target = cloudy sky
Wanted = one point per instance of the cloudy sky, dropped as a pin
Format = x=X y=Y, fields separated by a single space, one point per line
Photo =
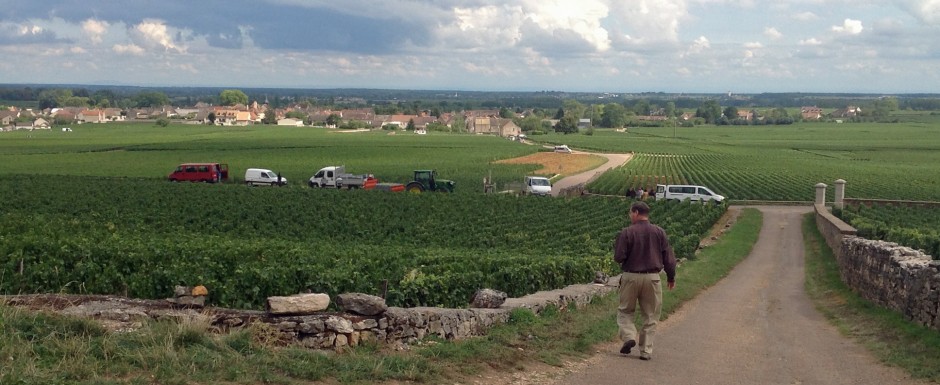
x=744 y=46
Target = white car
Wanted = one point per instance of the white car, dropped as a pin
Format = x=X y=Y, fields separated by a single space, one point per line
x=263 y=177
x=563 y=149
x=690 y=192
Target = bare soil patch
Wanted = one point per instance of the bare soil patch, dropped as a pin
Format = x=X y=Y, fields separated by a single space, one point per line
x=558 y=163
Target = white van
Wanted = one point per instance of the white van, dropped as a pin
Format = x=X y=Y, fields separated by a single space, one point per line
x=682 y=192
x=263 y=177
x=563 y=148
x=537 y=185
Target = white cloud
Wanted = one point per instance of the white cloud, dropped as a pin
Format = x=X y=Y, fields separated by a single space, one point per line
x=805 y=16
x=753 y=45
x=698 y=46
x=848 y=27
x=94 y=29
x=30 y=30
x=927 y=11
x=811 y=41
x=131 y=49
x=647 y=21
x=772 y=33
x=154 y=34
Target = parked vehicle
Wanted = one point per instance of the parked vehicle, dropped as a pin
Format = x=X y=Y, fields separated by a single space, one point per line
x=563 y=149
x=337 y=177
x=683 y=192
x=426 y=180
x=200 y=172
x=537 y=185
x=263 y=177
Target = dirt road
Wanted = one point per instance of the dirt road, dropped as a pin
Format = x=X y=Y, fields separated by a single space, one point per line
x=613 y=160
x=756 y=326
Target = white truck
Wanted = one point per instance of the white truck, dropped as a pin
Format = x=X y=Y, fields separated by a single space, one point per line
x=263 y=177
x=537 y=185
x=337 y=177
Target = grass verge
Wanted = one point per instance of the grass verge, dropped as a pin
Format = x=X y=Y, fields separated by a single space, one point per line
x=39 y=348
x=893 y=339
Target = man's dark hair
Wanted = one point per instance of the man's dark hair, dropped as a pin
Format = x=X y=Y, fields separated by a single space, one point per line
x=640 y=208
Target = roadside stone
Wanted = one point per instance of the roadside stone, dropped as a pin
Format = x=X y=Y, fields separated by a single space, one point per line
x=200 y=291
x=298 y=304
x=311 y=327
x=339 y=325
x=600 y=277
x=488 y=299
x=362 y=304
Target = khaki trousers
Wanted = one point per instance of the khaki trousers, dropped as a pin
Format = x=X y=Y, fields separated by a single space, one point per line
x=647 y=290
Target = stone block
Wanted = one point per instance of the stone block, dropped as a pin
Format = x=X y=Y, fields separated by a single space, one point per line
x=339 y=325
x=298 y=304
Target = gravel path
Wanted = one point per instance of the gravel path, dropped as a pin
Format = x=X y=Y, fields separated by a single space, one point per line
x=613 y=160
x=756 y=326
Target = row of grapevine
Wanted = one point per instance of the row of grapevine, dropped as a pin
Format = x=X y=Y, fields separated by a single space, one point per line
x=738 y=177
x=141 y=237
x=915 y=227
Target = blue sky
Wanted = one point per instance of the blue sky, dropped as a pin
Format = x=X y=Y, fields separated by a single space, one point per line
x=744 y=46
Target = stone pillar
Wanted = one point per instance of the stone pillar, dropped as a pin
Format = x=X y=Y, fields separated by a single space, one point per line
x=820 y=193
x=840 y=194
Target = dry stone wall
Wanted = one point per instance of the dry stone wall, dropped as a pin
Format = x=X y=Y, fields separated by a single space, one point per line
x=403 y=326
x=893 y=276
x=320 y=329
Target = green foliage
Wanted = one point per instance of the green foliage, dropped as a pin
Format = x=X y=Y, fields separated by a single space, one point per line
x=776 y=163
x=142 y=237
x=914 y=227
x=162 y=122
x=151 y=99
x=232 y=97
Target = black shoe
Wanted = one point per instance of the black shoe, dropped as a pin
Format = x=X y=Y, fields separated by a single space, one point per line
x=645 y=356
x=625 y=349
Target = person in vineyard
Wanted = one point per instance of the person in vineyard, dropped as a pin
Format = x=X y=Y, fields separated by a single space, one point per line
x=631 y=193
x=643 y=251
x=639 y=193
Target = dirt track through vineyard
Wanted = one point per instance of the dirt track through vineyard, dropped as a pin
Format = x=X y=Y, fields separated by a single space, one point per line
x=756 y=326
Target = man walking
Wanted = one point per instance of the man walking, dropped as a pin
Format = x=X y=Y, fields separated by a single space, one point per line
x=643 y=251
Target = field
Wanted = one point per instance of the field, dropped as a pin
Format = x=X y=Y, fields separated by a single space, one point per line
x=780 y=163
x=91 y=212
x=145 y=151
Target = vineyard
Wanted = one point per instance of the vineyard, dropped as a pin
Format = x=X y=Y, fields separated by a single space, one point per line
x=144 y=151
x=880 y=161
x=914 y=227
x=140 y=237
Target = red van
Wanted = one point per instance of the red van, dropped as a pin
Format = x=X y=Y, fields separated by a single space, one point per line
x=200 y=172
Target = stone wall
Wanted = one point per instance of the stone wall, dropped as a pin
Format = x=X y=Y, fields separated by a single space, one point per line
x=896 y=277
x=406 y=325
x=892 y=276
x=833 y=229
x=321 y=330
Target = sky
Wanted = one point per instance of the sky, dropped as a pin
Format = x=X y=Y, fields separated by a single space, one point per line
x=674 y=46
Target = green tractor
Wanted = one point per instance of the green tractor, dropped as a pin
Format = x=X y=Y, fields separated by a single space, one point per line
x=426 y=180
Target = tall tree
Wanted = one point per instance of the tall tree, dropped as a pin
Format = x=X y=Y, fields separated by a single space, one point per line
x=710 y=110
x=614 y=115
x=232 y=97
x=567 y=125
x=270 y=117
x=670 y=109
x=731 y=112
x=574 y=108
